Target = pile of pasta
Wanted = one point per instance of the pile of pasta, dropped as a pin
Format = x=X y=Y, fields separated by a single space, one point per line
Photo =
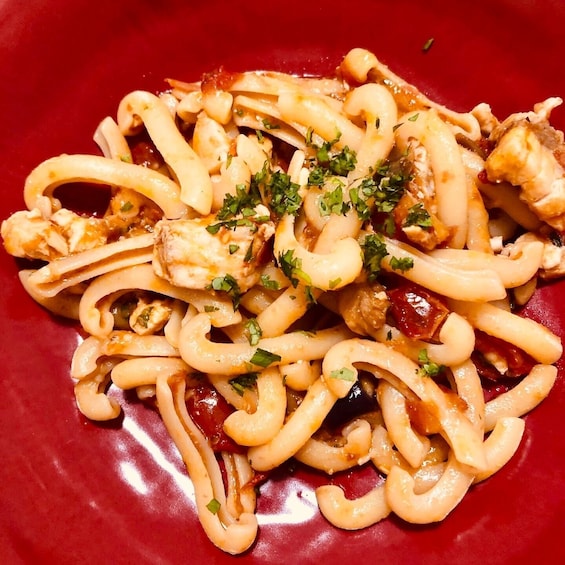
x=326 y=270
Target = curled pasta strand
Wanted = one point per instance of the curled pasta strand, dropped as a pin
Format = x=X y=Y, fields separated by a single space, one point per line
x=363 y=66
x=240 y=493
x=436 y=503
x=444 y=279
x=376 y=106
x=324 y=271
x=180 y=312
x=286 y=309
x=410 y=444
x=65 y=272
x=535 y=339
x=54 y=172
x=246 y=401
x=332 y=459
x=522 y=398
x=456 y=336
x=469 y=388
x=464 y=439
x=118 y=343
x=237 y=358
x=111 y=141
x=91 y=397
x=383 y=455
x=478 y=233
x=239 y=532
x=446 y=165
x=355 y=514
x=303 y=422
x=501 y=445
x=513 y=271
x=188 y=169
x=99 y=321
x=64 y=304
x=301 y=374
x=133 y=373
x=254 y=114
x=263 y=424
x=320 y=114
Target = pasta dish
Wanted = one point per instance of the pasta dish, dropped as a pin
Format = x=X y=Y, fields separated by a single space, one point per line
x=329 y=270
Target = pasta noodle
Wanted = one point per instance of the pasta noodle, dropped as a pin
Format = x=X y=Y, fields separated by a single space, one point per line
x=319 y=269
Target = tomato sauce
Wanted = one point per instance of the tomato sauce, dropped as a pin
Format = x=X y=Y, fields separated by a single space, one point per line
x=417 y=312
x=208 y=410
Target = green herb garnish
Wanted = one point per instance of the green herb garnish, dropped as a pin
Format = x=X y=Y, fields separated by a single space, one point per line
x=374 y=251
x=244 y=382
x=343 y=374
x=264 y=358
x=401 y=263
x=213 y=506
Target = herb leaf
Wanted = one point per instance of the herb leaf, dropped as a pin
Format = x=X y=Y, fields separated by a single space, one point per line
x=264 y=358
x=291 y=266
x=343 y=374
x=213 y=506
x=244 y=382
x=374 y=251
x=228 y=284
x=401 y=263
x=254 y=330
x=418 y=216
x=428 y=368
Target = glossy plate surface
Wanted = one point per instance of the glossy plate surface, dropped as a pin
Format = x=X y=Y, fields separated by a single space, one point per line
x=76 y=492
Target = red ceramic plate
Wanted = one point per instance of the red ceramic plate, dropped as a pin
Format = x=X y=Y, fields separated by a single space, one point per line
x=76 y=492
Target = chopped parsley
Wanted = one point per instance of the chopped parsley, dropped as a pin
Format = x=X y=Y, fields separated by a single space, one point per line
x=228 y=284
x=382 y=191
x=332 y=202
x=213 y=506
x=269 y=283
x=264 y=358
x=428 y=44
x=428 y=368
x=237 y=210
x=335 y=282
x=254 y=330
x=268 y=125
x=374 y=251
x=244 y=382
x=291 y=266
x=327 y=162
x=343 y=374
x=242 y=202
x=283 y=194
x=418 y=216
x=126 y=206
x=144 y=317
x=401 y=264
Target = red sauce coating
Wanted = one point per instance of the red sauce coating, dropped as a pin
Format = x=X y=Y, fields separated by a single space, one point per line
x=519 y=362
x=417 y=312
x=219 y=79
x=208 y=410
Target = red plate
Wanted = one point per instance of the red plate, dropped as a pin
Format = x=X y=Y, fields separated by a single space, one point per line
x=76 y=492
